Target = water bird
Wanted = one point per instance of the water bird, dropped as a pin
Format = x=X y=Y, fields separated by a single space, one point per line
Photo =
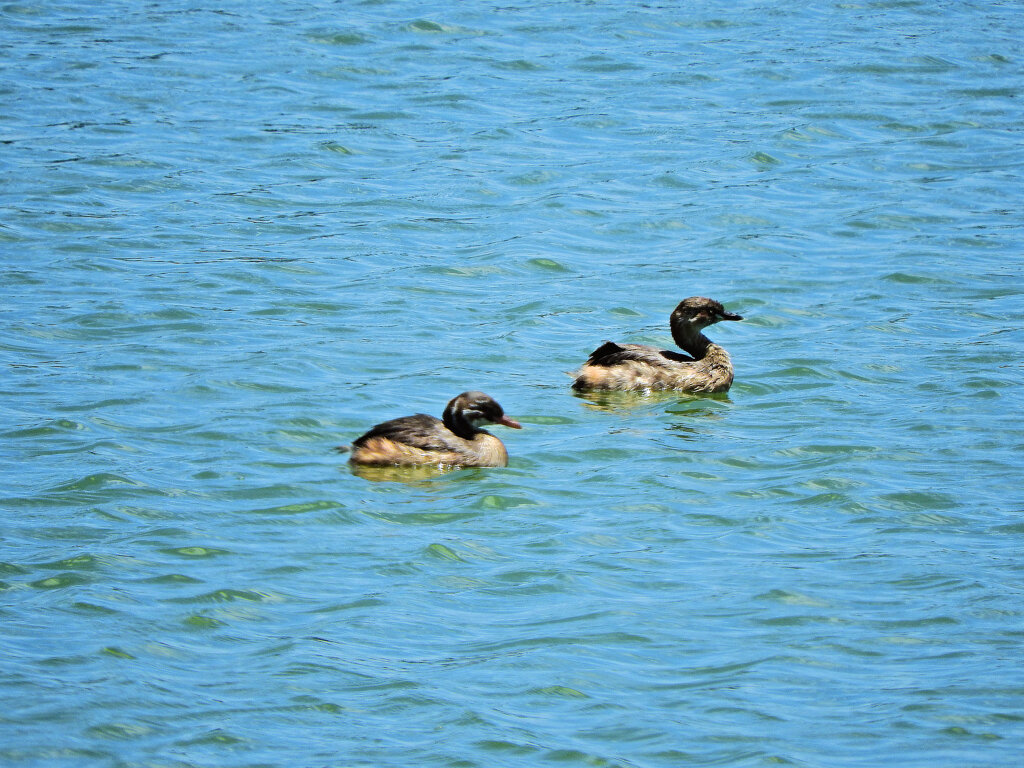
x=456 y=439
x=639 y=368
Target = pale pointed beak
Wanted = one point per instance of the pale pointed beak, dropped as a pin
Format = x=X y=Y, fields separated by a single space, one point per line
x=505 y=420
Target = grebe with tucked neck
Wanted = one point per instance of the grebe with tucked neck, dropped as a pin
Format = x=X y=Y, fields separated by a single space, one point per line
x=637 y=367
x=456 y=439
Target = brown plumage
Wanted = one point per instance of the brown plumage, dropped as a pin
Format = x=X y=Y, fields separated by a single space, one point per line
x=454 y=440
x=637 y=367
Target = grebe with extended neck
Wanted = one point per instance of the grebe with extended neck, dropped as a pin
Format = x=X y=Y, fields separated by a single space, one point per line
x=637 y=367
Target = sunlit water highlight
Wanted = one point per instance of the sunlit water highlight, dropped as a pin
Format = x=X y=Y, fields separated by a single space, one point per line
x=237 y=236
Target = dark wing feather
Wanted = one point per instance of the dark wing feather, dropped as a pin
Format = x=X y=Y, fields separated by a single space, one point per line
x=419 y=431
x=610 y=353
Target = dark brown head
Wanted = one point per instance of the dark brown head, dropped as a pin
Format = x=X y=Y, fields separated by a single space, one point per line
x=467 y=412
x=699 y=313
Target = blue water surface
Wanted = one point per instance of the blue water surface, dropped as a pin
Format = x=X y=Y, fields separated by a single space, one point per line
x=237 y=234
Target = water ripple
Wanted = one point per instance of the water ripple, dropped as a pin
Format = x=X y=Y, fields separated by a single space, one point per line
x=239 y=237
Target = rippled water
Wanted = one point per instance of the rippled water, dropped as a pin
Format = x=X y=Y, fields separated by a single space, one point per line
x=236 y=235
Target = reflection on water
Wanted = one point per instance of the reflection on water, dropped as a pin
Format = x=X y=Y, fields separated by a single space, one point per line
x=412 y=475
x=605 y=400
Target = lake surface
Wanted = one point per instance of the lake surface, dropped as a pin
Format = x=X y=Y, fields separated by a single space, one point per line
x=237 y=234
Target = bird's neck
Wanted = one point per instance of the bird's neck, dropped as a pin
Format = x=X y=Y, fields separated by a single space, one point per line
x=457 y=422
x=691 y=340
